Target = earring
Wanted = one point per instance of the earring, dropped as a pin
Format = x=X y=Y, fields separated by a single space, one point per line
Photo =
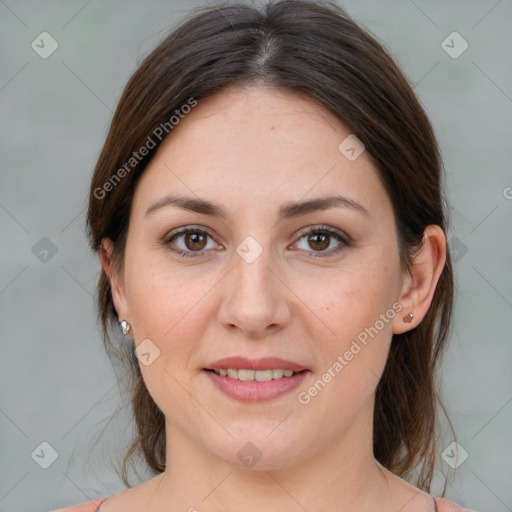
x=125 y=327
x=408 y=318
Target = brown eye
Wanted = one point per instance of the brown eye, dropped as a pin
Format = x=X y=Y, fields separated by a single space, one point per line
x=319 y=242
x=189 y=242
x=319 y=239
x=195 y=241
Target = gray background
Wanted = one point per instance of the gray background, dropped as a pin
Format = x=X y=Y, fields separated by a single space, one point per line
x=57 y=384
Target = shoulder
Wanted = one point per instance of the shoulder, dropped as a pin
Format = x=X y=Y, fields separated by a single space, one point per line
x=88 y=506
x=443 y=505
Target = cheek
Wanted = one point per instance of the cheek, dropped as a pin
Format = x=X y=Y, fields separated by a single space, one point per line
x=352 y=359
x=168 y=308
x=162 y=298
x=173 y=308
x=356 y=304
x=352 y=300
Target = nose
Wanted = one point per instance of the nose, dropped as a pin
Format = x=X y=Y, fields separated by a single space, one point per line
x=256 y=298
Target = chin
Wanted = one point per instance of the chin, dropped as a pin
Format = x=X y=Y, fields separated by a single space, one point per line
x=257 y=449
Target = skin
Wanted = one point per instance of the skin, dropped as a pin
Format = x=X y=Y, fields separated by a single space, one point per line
x=251 y=150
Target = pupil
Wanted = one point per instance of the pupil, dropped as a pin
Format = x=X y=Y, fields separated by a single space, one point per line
x=196 y=239
x=323 y=238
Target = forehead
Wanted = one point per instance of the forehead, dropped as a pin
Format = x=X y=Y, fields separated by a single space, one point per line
x=258 y=144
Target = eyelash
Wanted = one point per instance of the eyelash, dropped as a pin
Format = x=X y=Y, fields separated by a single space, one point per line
x=345 y=241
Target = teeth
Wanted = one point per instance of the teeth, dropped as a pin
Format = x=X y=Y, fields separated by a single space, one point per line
x=257 y=375
x=245 y=374
x=277 y=374
x=263 y=375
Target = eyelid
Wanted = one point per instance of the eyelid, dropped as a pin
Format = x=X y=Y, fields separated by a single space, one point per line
x=325 y=229
x=345 y=240
x=166 y=241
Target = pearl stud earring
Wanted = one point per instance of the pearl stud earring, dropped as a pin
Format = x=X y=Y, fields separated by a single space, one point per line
x=125 y=327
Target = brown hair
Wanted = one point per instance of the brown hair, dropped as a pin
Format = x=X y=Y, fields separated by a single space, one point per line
x=317 y=49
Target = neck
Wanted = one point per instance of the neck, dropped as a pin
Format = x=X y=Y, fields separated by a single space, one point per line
x=344 y=477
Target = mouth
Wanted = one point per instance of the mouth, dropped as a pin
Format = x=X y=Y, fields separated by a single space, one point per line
x=257 y=375
x=258 y=380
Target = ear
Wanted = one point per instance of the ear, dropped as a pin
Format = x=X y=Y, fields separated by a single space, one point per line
x=116 y=279
x=420 y=283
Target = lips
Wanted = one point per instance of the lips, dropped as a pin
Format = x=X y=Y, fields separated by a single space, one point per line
x=257 y=390
x=264 y=363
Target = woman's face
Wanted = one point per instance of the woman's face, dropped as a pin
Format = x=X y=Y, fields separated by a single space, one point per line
x=254 y=284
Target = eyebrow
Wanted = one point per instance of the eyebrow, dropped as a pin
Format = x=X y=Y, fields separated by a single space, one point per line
x=286 y=211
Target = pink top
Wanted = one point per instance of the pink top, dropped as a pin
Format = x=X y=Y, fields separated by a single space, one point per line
x=88 y=506
x=441 y=505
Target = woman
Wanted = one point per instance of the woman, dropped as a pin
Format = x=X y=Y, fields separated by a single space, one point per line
x=279 y=262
